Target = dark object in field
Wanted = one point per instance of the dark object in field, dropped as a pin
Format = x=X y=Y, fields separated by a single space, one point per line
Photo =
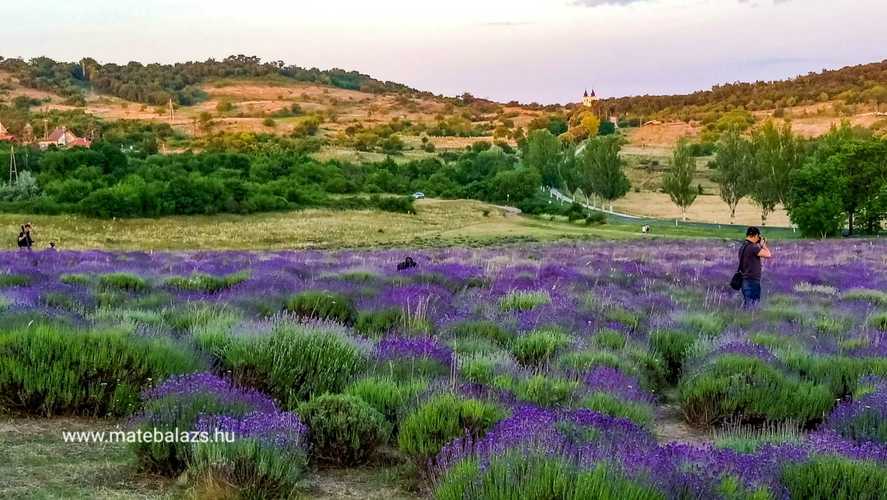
x=406 y=264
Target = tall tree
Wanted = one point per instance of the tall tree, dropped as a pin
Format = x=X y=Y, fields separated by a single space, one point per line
x=778 y=153
x=733 y=169
x=678 y=181
x=543 y=153
x=603 y=169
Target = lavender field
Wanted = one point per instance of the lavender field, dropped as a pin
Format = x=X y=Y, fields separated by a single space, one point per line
x=543 y=372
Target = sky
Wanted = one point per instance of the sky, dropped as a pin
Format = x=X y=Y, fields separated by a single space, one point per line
x=545 y=51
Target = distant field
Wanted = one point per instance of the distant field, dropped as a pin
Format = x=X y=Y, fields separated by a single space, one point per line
x=437 y=223
x=706 y=208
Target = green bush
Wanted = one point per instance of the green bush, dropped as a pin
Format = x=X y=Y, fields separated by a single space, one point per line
x=11 y=280
x=294 y=363
x=322 y=305
x=537 y=477
x=829 y=478
x=344 y=430
x=673 y=347
x=877 y=297
x=481 y=368
x=628 y=318
x=467 y=346
x=840 y=374
x=251 y=468
x=389 y=397
x=482 y=330
x=708 y=324
x=172 y=413
x=206 y=283
x=737 y=387
x=539 y=346
x=609 y=339
x=123 y=281
x=523 y=300
x=378 y=323
x=748 y=439
x=542 y=390
x=586 y=360
x=639 y=413
x=879 y=321
x=75 y=279
x=49 y=370
x=444 y=418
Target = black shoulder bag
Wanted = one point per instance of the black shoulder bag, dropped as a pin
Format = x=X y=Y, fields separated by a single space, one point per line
x=736 y=281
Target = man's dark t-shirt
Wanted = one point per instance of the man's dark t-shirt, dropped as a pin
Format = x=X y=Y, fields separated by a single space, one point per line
x=750 y=262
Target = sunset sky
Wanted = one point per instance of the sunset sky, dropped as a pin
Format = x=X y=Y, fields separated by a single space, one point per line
x=529 y=50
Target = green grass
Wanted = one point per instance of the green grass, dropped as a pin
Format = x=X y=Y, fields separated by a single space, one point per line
x=49 y=370
x=442 y=419
x=523 y=301
x=11 y=280
x=534 y=477
x=640 y=413
x=732 y=387
x=206 y=283
x=539 y=346
x=34 y=463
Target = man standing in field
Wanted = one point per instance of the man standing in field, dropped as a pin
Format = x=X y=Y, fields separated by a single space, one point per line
x=753 y=250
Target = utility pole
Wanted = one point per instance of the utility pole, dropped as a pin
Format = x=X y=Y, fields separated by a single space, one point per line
x=172 y=115
x=13 y=169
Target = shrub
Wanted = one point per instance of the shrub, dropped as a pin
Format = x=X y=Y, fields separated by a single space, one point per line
x=628 y=318
x=387 y=396
x=640 y=413
x=609 y=339
x=207 y=283
x=75 y=279
x=586 y=360
x=879 y=321
x=832 y=477
x=467 y=346
x=537 y=477
x=49 y=370
x=482 y=330
x=378 y=323
x=322 y=305
x=482 y=367
x=123 y=281
x=344 y=430
x=523 y=300
x=442 y=419
x=746 y=388
x=177 y=405
x=11 y=280
x=673 y=347
x=543 y=390
x=537 y=347
x=294 y=363
x=708 y=324
x=247 y=468
x=745 y=439
x=877 y=297
x=839 y=373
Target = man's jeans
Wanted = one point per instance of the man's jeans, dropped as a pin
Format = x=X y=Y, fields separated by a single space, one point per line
x=751 y=292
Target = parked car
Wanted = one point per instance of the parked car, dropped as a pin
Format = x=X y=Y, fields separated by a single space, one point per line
x=418 y=195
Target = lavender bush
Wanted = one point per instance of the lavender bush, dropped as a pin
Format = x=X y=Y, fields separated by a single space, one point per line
x=584 y=351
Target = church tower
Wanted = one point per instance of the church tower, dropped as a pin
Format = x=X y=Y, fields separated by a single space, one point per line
x=589 y=100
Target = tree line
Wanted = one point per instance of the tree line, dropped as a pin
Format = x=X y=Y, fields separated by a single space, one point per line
x=156 y=83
